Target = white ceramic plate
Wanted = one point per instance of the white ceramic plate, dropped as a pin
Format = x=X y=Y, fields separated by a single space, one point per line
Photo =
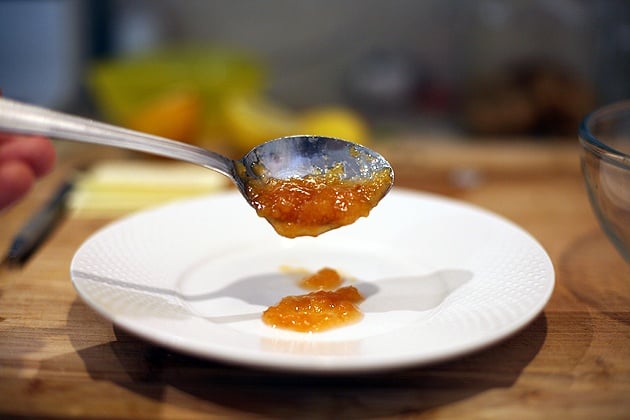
x=441 y=279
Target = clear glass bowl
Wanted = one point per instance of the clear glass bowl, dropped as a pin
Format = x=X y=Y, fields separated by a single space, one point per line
x=605 y=139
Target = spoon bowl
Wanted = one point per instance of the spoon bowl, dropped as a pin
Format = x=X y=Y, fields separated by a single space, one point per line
x=292 y=157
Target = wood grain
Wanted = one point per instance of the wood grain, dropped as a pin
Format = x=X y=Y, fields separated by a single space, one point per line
x=59 y=359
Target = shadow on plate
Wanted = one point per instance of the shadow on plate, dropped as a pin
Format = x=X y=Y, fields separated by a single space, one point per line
x=409 y=293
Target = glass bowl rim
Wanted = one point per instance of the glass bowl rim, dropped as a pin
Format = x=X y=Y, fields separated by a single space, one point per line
x=593 y=144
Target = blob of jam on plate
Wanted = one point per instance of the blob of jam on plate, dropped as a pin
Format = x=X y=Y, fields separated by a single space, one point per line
x=319 y=310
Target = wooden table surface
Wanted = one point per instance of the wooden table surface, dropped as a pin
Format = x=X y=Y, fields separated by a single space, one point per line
x=60 y=359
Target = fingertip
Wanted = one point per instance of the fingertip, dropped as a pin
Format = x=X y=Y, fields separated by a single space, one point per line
x=16 y=179
x=36 y=151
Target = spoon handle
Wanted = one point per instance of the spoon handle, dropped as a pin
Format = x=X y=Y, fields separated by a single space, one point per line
x=17 y=117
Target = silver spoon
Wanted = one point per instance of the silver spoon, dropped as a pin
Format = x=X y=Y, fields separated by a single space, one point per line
x=283 y=158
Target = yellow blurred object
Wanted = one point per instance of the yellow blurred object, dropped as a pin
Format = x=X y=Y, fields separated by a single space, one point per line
x=335 y=121
x=122 y=87
x=251 y=120
x=210 y=97
x=175 y=115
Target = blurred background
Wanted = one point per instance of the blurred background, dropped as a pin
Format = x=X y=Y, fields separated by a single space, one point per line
x=229 y=74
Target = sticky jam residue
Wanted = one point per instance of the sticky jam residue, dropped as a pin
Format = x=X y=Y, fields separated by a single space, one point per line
x=325 y=308
x=314 y=204
x=324 y=279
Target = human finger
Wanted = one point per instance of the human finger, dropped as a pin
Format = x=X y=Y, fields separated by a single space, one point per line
x=16 y=179
x=35 y=151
